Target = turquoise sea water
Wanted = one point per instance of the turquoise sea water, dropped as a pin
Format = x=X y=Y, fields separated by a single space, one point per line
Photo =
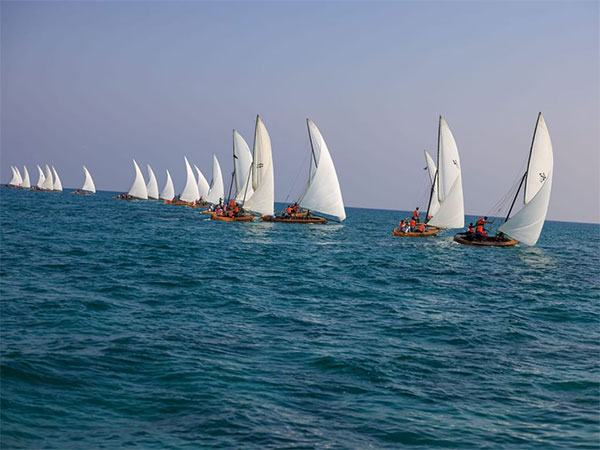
x=143 y=324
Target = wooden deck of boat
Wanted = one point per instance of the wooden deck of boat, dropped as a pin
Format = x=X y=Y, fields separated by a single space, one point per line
x=427 y=233
x=294 y=219
x=490 y=241
x=244 y=218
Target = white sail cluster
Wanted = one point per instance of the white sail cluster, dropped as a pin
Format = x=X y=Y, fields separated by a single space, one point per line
x=48 y=181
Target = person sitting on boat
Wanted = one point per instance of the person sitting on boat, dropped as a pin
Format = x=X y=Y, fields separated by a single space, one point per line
x=412 y=224
x=415 y=215
x=295 y=208
x=421 y=228
x=288 y=212
x=236 y=210
x=480 y=231
x=470 y=228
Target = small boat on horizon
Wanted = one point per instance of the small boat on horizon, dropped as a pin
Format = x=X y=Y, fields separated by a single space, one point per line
x=88 y=184
x=138 y=189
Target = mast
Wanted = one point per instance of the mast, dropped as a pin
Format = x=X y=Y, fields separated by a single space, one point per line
x=527 y=170
x=431 y=192
x=312 y=151
x=437 y=168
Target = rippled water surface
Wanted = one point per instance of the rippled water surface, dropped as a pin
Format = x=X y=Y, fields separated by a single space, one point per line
x=138 y=323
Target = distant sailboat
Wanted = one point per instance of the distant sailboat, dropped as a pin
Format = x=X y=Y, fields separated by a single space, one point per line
x=152 y=186
x=138 y=189
x=445 y=209
x=261 y=173
x=16 y=179
x=57 y=182
x=242 y=165
x=526 y=225
x=41 y=178
x=216 y=194
x=203 y=186
x=168 y=193
x=190 y=194
x=88 y=184
x=26 y=183
x=48 y=180
x=322 y=193
x=242 y=162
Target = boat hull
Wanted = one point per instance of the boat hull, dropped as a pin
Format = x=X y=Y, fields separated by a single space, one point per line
x=427 y=233
x=245 y=218
x=488 y=241
x=305 y=219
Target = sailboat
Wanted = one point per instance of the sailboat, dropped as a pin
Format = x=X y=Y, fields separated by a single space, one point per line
x=41 y=179
x=16 y=181
x=168 y=193
x=242 y=163
x=526 y=225
x=26 y=184
x=57 y=183
x=48 y=184
x=203 y=187
x=138 y=190
x=216 y=194
x=322 y=193
x=262 y=200
x=88 y=184
x=152 y=186
x=445 y=209
x=190 y=194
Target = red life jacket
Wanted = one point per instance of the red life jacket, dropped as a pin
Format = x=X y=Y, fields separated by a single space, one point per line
x=412 y=222
x=415 y=213
x=479 y=229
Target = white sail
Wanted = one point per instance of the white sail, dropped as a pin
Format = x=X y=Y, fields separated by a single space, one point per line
x=203 y=186
x=190 y=192
x=263 y=199
x=217 y=189
x=242 y=164
x=168 y=193
x=152 y=186
x=41 y=178
x=435 y=203
x=19 y=177
x=48 y=181
x=138 y=188
x=88 y=184
x=26 y=183
x=451 y=212
x=14 y=181
x=526 y=225
x=57 y=182
x=323 y=192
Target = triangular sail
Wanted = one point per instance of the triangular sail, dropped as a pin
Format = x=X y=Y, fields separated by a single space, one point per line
x=152 y=186
x=323 y=193
x=526 y=225
x=138 y=188
x=19 y=177
x=88 y=184
x=263 y=199
x=190 y=191
x=217 y=188
x=451 y=212
x=434 y=205
x=14 y=181
x=168 y=193
x=41 y=178
x=26 y=183
x=242 y=164
x=48 y=181
x=203 y=186
x=57 y=182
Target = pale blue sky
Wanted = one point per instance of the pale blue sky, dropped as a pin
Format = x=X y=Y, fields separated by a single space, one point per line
x=98 y=83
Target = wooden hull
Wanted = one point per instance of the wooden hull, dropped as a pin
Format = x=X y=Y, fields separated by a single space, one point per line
x=301 y=219
x=82 y=193
x=488 y=241
x=209 y=212
x=427 y=233
x=131 y=199
x=245 y=218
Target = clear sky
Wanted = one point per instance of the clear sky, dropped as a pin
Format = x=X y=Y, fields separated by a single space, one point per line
x=98 y=83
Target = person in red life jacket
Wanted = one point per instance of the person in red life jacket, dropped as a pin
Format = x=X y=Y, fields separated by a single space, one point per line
x=295 y=208
x=421 y=228
x=231 y=203
x=480 y=231
x=416 y=214
x=412 y=224
x=470 y=228
x=236 y=210
x=288 y=212
x=428 y=217
x=482 y=221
